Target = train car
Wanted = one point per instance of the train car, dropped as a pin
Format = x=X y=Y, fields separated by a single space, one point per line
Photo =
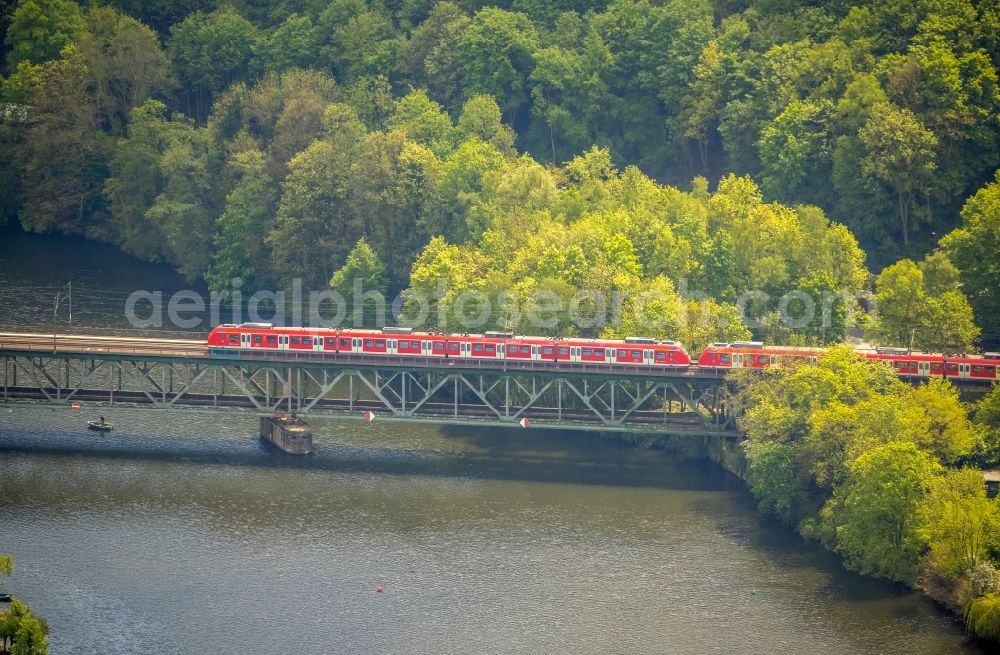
x=228 y=339
x=754 y=354
x=926 y=365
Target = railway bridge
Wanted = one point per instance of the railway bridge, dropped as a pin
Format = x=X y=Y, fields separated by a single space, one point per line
x=183 y=373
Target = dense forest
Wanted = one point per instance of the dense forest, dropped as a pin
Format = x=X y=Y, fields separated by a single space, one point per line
x=695 y=150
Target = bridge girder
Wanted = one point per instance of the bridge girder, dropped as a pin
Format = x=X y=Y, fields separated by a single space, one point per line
x=655 y=405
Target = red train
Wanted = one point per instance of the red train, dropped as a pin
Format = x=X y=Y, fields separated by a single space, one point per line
x=505 y=347
x=489 y=346
x=754 y=354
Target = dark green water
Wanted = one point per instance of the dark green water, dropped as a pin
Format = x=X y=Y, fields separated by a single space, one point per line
x=180 y=532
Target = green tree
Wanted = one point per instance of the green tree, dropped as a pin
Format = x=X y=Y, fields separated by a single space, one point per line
x=210 y=51
x=125 y=63
x=391 y=186
x=959 y=523
x=900 y=297
x=63 y=154
x=431 y=56
x=972 y=247
x=480 y=118
x=776 y=480
x=21 y=633
x=362 y=274
x=826 y=319
x=908 y=316
x=950 y=433
x=940 y=275
x=901 y=154
x=292 y=44
x=315 y=222
x=40 y=29
x=496 y=55
x=423 y=120
x=357 y=41
x=875 y=513
x=240 y=251
x=795 y=151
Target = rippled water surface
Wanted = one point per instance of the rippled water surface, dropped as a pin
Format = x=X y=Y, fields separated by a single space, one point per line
x=180 y=532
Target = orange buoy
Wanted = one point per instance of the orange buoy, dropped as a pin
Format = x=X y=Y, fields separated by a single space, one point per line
x=378 y=589
x=74 y=405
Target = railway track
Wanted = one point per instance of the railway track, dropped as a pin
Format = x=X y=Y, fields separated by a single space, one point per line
x=196 y=349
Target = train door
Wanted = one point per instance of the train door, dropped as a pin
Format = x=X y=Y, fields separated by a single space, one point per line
x=963 y=370
x=737 y=360
x=924 y=369
x=244 y=340
x=391 y=348
x=647 y=357
x=574 y=354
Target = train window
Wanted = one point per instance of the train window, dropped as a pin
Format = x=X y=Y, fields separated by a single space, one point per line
x=564 y=351
x=899 y=364
x=989 y=369
x=369 y=343
x=636 y=354
x=453 y=347
x=258 y=338
x=295 y=340
x=586 y=352
x=724 y=359
x=526 y=349
x=622 y=354
x=977 y=369
x=380 y=343
x=345 y=343
x=330 y=341
x=936 y=367
x=609 y=352
x=439 y=346
x=478 y=348
x=952 y=368
x=547 y=350
x=661 y=356
x=490 y=348
x=272 y=339
x=234 y=338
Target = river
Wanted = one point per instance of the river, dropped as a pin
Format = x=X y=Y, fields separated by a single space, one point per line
x=180 y=532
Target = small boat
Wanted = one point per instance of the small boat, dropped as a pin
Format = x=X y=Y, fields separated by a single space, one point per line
x=100 y=426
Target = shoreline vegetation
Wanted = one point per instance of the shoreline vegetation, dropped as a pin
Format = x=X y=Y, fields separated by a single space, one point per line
x=21 y=632
x=886 y=475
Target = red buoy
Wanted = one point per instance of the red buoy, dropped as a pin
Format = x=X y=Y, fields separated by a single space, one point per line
x=378 y=589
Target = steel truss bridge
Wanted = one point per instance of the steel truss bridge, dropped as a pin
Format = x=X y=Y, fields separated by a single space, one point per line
x=174 y=373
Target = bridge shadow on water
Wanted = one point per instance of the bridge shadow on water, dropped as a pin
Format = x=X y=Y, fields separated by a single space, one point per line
x=550 y=456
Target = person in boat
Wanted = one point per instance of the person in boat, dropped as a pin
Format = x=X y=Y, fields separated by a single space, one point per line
x=102 y=420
